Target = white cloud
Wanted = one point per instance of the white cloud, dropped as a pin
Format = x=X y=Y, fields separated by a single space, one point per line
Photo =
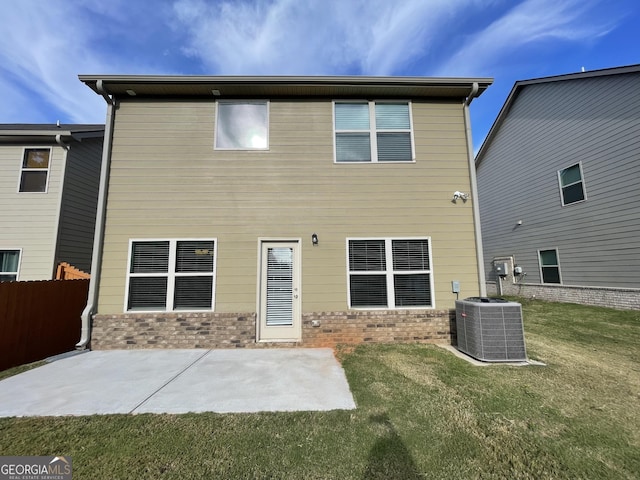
x=376 y=37
x=41 y=53
x=529 y=22
x=45 y=47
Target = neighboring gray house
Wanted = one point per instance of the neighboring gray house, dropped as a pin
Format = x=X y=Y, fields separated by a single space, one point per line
x=559 y=189
x=49 y=177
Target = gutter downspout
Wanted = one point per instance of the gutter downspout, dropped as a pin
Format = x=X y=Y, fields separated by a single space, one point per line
x=474 y=191
x=96 y=260
x=61 y=143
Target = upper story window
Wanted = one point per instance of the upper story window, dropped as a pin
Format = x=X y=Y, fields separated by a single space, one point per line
x=9 y=263
x=373 y=132
x=168 y=275
x=571 y=184
x=242 y=125
x=390 y=273
x=549 y=266
x=34 y=173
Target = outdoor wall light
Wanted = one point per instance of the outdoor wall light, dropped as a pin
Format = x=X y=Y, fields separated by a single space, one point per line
x=314 y=239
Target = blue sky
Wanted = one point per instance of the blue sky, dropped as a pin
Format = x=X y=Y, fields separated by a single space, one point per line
x=47 y=43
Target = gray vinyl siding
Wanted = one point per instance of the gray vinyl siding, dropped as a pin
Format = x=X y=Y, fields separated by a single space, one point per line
x=79 y=201
x=167 y=181
x=551 y=126
x=29 y=220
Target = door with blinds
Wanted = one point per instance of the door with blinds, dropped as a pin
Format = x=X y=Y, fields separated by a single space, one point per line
x=279 y=316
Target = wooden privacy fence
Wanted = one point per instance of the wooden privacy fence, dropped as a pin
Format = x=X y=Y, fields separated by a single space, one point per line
x=39 y=319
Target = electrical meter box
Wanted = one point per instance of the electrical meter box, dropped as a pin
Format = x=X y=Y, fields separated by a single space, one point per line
x=501 y=269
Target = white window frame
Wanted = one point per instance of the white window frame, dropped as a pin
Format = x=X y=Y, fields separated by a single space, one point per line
x=240 y=101
x=373 y=131
x=23 y=169
x=17 y=272
x=557 y=265
x=389 y=273
x=560 y=186
x=171 y=274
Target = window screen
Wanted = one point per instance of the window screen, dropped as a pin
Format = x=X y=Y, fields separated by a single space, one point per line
x=373 y=132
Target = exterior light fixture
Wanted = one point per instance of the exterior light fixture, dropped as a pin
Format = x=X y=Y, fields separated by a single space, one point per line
x=131 y=93
x=215 y=92
x=314 y=239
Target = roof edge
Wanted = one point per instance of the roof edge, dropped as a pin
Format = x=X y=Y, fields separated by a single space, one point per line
x=285 y=79
x=520 y=84
x=118 y=84
x=24 y=131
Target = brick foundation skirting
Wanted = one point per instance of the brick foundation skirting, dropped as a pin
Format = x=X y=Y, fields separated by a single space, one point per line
x=620 y=298
x=238 y=330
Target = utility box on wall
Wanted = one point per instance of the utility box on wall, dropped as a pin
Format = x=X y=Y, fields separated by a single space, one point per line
x=490 y=329
x=502 y=269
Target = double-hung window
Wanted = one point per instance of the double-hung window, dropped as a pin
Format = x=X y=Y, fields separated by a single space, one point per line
x=168 y=275
x=549 y=266
x=34 y=172
x=571 y=184
x=373 y=132
x=242 y=125
x=389 y=273
x=9 y=263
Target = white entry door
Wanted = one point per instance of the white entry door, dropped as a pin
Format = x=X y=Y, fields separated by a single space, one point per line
x=279 y=316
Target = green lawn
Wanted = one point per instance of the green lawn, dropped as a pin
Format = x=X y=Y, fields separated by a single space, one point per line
x=422 y=413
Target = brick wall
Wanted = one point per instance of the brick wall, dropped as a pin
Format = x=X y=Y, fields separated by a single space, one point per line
x=622 y=298
x=237 y=330
x=387 y=326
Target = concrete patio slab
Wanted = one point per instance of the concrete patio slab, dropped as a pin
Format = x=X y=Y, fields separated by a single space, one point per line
x=179 y=381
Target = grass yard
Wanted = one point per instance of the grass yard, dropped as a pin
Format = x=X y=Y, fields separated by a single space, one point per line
x=422 y=413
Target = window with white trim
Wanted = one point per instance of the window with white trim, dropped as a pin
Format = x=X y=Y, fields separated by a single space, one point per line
x=373 y=132
x=242 y=125
x=549 y=266
x=34 y=172
x=168 y=275
x=571 y=184
x=9 y=263
x=390 y=273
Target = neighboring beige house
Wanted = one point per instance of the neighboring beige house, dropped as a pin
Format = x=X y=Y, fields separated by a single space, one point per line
x=48 y=194
x=310 y=211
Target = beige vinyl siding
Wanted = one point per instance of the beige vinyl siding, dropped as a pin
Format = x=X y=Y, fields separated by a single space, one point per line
x=168 y=182
x=29 y=220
